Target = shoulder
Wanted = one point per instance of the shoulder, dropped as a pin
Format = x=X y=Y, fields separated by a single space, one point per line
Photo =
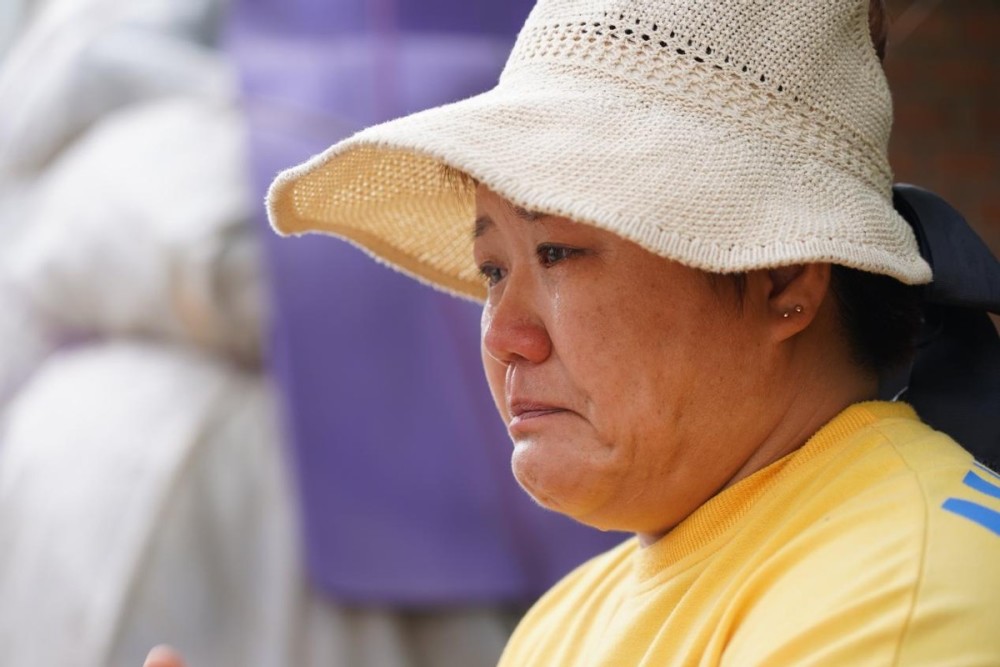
x=919 y=485
x=956 y=590
x=894 y=552
x=896 y=475
x=916 y=498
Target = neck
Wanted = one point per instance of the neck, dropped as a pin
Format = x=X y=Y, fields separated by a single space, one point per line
x=805 y=413
x=818 y=380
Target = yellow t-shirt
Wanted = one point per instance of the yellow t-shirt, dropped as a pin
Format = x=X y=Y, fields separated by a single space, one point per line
x=876 y=543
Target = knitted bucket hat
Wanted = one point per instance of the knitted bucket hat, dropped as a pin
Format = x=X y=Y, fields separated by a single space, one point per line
x=727 y=135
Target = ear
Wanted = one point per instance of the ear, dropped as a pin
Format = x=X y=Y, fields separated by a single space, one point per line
x=795 y=295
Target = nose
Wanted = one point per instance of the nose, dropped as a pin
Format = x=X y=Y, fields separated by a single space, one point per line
x=512 y=327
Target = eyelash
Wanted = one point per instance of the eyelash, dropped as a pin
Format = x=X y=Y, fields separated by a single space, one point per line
x=490 y=273
x=548 y=256
x=545 y=250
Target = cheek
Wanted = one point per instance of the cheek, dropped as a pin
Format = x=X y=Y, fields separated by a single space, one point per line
x=626 y=364
x=642 y=375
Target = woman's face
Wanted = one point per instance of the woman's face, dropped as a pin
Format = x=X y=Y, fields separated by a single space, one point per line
x=630 y=385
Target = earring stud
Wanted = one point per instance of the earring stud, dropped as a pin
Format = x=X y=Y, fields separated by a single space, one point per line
x=797 y=310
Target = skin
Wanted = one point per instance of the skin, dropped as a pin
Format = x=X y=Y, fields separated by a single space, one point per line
x=635 y=388
x=163 y=656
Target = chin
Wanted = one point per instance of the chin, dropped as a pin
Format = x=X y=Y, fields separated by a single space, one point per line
x=559 y=485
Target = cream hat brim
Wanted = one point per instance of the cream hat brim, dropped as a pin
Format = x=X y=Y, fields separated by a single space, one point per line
x=684 y=180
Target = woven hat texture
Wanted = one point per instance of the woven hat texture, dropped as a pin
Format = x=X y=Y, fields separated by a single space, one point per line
x=727 y=135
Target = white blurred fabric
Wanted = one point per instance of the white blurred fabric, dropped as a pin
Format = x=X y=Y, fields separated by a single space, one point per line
x=143 y=493
x=142 y=500
x=155 y=193
x=77 y=60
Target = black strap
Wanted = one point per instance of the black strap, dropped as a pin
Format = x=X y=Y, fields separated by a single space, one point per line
x=954 y=381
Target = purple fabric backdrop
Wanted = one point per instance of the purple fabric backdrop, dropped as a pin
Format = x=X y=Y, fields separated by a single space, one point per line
x=402 y=463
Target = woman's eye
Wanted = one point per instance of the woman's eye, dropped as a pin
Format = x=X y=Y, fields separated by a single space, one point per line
x=491 y=273
x=552 y=254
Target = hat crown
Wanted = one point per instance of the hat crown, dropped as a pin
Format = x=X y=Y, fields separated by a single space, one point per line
x=813 y=58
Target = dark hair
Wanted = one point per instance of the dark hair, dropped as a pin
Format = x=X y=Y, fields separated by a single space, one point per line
x=880 y=315
x=878 y=26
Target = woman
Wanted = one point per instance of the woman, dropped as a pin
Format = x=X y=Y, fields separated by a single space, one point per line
x=680 y=225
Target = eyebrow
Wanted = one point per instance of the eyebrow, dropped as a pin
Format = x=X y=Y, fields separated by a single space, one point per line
x=484 y=222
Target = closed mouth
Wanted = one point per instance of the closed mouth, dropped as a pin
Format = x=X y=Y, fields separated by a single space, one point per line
x=524 y=411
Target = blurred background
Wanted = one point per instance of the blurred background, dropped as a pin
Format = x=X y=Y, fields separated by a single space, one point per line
x=269 y=451
x=943 y=64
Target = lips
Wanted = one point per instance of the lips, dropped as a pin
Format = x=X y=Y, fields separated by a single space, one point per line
x=523 y=411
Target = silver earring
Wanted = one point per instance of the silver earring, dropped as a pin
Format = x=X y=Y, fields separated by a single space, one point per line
x=797 y=310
